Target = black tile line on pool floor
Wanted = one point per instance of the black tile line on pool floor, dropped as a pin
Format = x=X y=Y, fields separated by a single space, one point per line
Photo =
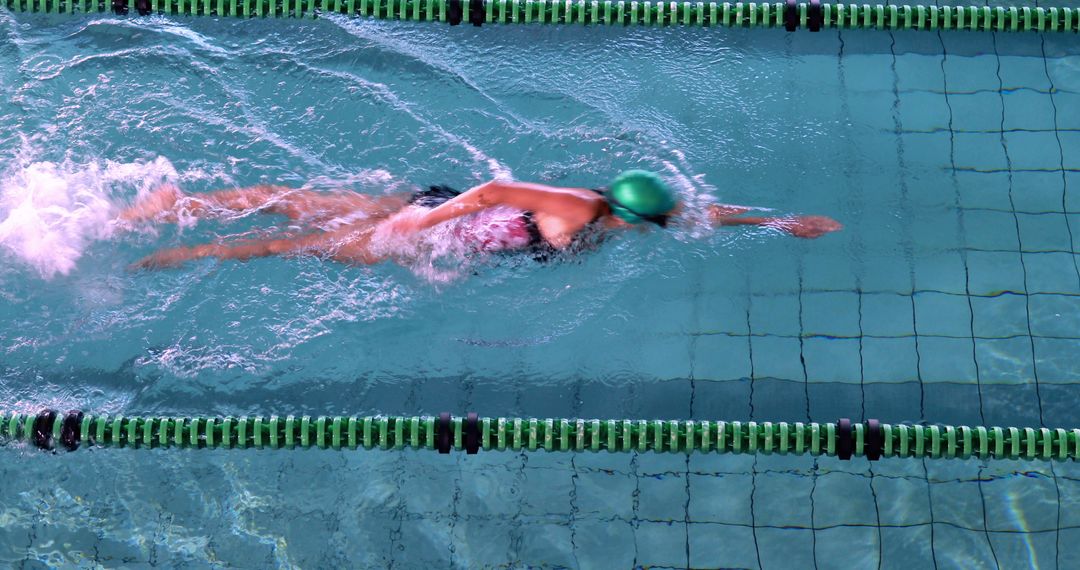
x=907 y=246
x=896 y=336
x=1072 y=240
x=515 y=525
x=919 y=290
x=754 y=467
x=575 y=407
x=557 y=517
x=1012 y=170
x=806 y=394
x=1004 y=90
x=1019 y=238
x=517 y=534
x=395 y=533
x=465 y=403
x=967 y=286
x=695 y=312
x=858 y=255
x=934 y=250
x=1061 y=160
x=1024 y=212
x=1027 y=303
x=945 y=130
x=800 y=270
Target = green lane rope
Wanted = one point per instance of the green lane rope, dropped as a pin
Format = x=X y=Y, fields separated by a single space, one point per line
x=842 y=439
x=790 y=15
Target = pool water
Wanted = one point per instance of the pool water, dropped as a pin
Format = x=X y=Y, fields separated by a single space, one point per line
x=951 y=295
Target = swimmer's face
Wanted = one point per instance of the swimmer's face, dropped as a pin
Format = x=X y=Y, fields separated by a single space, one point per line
x=617 y=222
x=613 y=221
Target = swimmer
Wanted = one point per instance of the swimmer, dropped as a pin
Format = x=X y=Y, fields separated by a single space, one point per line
x=496 y=216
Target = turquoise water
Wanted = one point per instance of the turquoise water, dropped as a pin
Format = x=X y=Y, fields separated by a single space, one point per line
x=950 y=296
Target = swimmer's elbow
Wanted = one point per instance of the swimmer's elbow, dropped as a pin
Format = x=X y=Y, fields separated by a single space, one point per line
x=490 y=194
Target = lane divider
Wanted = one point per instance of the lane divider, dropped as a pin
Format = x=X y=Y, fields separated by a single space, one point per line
x=471 y=433
x=791 y=15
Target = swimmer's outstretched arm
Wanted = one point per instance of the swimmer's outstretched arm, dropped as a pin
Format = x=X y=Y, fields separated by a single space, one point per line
x=798 y=226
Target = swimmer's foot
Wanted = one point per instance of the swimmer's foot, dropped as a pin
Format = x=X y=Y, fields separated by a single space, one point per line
x=805 y=226
x=157 y=205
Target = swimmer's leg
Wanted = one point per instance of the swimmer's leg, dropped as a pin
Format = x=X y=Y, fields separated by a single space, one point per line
x=163 y=203
x=297 y=203
x=158 y=202
x=318 y=206
x=343 y=246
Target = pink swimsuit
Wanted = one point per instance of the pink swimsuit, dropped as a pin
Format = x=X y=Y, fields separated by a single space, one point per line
x=497 y=229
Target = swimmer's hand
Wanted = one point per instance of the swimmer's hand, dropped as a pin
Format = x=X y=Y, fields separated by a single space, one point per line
x=798 y=226
x=805 y=226
x=171 y=258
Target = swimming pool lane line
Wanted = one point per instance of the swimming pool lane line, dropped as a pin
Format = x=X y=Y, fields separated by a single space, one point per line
x=843 y=439
x=790 y=15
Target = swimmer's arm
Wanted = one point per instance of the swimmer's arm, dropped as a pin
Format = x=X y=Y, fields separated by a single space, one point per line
x=798 y=226
x=562 y=202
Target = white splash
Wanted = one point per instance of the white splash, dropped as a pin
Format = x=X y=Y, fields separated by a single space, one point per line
x=51 y=212
x=444 y=253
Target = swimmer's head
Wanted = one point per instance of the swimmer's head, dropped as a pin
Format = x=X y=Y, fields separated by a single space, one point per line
x=639 y=196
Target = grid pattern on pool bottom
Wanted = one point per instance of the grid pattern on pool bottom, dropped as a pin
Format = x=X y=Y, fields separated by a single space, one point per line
x=967 y=310
x=406 y=510
x=952 y=296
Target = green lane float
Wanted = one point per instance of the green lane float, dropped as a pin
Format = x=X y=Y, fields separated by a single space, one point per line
x=790 y=15
x=471 y=433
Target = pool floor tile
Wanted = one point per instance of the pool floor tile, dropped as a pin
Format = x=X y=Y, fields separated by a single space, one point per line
x=942 y=314
x=721 y=546
x=777 y=357
x=889 y=360
x=785 y=548
x=835 y=548
x=728 y=498
x=722 y=357
x=832 y=360
x=1028 y=109
x=1034 y=150
x=945 y=360
x=1005 y=360
x=906 y=547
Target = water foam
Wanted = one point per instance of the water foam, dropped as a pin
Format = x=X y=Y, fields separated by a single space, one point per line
x=51 y=212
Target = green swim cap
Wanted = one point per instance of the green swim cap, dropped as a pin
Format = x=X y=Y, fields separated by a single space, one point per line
x=638 y=196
